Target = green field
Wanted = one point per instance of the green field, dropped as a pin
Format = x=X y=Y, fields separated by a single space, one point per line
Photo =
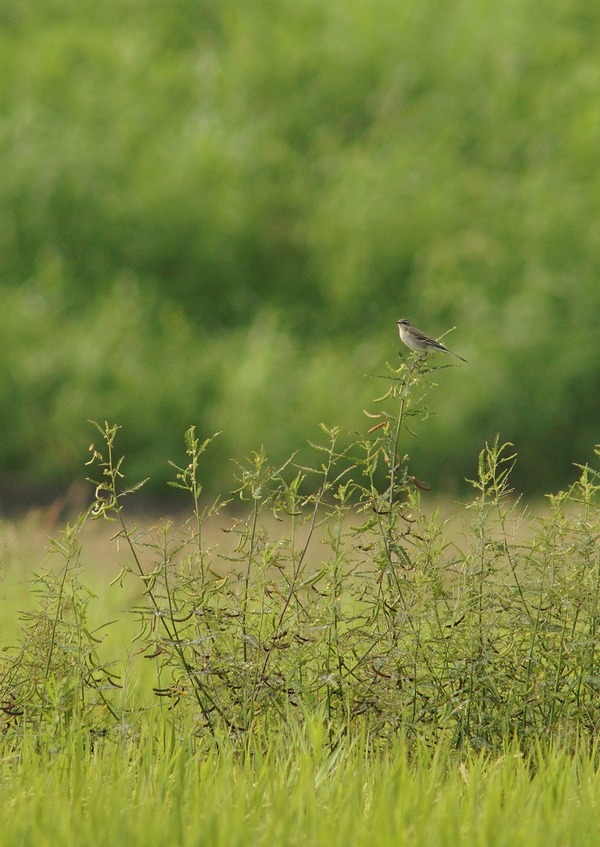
x=320 y=658
x=157 y=788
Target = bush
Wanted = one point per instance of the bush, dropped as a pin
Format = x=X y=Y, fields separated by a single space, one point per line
x=357 y=611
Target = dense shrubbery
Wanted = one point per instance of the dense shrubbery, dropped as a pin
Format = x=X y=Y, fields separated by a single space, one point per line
x=339 y=644
x=214 y=212
x=352 y=607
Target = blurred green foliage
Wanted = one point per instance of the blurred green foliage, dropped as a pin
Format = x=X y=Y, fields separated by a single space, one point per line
x=213 y=212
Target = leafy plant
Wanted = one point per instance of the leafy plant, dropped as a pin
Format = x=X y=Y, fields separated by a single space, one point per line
x=340 y=597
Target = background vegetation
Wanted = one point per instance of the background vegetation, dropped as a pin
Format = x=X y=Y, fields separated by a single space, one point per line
x=214 y=212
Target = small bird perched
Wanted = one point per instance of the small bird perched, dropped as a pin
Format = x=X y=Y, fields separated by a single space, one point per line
x=417 y=340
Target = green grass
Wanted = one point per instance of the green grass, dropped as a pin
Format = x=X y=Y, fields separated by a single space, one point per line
x=160 y=789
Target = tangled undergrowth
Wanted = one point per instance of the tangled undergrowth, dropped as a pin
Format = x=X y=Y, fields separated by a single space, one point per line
x=357 y=611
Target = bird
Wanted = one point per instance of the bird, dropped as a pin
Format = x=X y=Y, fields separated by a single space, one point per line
x=417 y=340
